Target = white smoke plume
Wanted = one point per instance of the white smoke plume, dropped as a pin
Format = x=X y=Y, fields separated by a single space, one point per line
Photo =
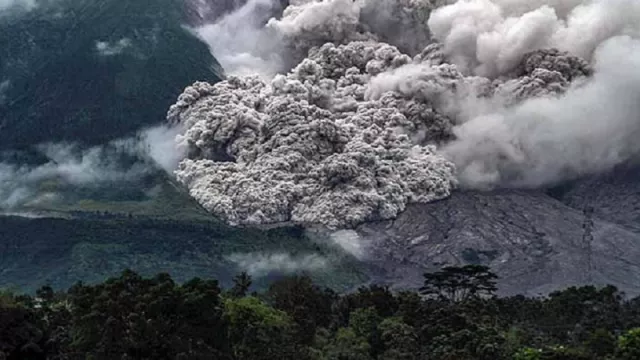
x=349 y=241
x=260 y=264
x=485 y=94
x=250 y=41
x=591 y=128
x=23 y=184
x=242 y=44
x=159 y=143
x=69 y=165
x=489 y=37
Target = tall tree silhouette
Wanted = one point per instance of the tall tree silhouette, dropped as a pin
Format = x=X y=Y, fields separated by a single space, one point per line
x=459 y=283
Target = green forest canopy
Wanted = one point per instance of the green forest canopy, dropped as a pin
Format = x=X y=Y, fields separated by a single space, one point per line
x=132 y=317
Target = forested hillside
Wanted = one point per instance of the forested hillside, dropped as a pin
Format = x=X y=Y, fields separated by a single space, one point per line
x=91 y=71
x=94 y=246
x=453 y=317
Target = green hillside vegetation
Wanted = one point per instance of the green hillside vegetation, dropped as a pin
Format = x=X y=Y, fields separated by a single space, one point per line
x=91 y=233
x=92 y=247
x=158 y=198
x=455 y=317
x=89 y=71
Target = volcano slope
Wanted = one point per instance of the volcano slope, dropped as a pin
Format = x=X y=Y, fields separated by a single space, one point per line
x=534 y=242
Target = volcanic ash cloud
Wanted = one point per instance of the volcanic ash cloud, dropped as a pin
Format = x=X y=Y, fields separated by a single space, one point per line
x=311 y=146
x=358 y=129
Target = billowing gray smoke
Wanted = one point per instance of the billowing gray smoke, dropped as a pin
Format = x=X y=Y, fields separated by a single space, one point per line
x=312 y=146
x=544 y=139
x=397 y=106
x=591 y=128
x=489 y=37
x=247 y=42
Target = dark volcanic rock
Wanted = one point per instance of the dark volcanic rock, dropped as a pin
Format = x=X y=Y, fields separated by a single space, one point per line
x=534 y=242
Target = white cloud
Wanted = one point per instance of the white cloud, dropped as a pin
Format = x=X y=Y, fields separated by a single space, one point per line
x=260 y=264
x=106 y=48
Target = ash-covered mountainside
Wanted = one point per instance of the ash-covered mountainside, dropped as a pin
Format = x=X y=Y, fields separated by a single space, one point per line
x=388 y=117
x=587 y=231
x=534 y=242
x=613 y=196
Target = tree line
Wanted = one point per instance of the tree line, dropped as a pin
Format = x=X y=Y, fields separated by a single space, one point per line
x=454 y=316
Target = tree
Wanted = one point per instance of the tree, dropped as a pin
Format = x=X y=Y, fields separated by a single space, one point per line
x=601 y=343
x=364 y=322
x=552 y=353
x=410 y=307
x=241 y=284
x=528 y=354
x=134 y=317
x=346 y=345
x=629 y=345
x=308 y=305
x=459 y=283
x=575 y=313
x=155 y=318
x=21 y=332
x=471 y=343
x=399 y=339
x=259 y=332
x=379 y=297
x=45 y=294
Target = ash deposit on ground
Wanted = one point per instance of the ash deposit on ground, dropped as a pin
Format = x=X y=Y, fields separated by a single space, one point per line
x=339 y=112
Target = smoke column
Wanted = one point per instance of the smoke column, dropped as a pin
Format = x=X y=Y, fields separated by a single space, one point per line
x=489 y=38
x=359 y=122
x=545 y=139
x=591 y=128
x=242 y=44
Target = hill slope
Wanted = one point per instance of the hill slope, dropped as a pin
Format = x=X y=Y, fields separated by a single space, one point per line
x=89 y=72
x=534 y=242
x=92 y=249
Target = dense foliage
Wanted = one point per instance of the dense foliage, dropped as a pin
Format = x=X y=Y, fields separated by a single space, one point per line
x=92 y=71
x=131 y=317
x=96 y=246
